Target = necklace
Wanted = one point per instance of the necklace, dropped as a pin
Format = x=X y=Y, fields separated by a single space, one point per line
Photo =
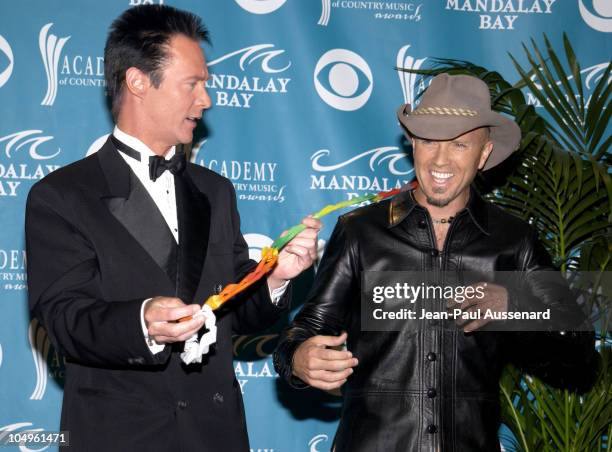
x=443 y=220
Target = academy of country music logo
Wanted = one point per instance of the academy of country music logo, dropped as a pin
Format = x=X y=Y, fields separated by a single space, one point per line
x=601 y=19
x=381 y=10
x=260 y=6
x=314 y=442
x=253 y=180
x=241 y=76
x=500 y=14
x=590 y=78
x=408 y=81
x=343 y=79
x=22 y=168
x=13 y=274
x=388 y=168
x=47 y=361
x=69 y=70
x=5 y=49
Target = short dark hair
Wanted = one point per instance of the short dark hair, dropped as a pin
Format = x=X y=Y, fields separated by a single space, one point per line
x=139 y=38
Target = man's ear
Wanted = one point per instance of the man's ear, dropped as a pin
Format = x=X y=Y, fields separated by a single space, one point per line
x=137 y=82
x=486 y=152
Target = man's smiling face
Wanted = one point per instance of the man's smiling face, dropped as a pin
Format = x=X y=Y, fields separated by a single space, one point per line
x=445 y=169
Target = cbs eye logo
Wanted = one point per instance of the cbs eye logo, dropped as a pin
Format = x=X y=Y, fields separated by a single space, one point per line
x=5 y=48
x=343 y=79
x=256 y=243
x=260 y=6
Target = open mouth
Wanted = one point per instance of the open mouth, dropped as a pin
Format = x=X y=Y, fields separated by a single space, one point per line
x=193 y=119
x=440 y=177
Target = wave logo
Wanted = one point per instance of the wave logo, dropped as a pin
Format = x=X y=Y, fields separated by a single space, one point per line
x=254 y=53
x=592 y=76
x=315 y=441
x=51 y=50
x=260 y=6
x=325 y=13
x=377 y=156
x=408 y=79
x=255 y=346
x=40 y=345
x=20 y=427
x=18 y=140
x=256 y=243
x=602 y=20
x=6 y=49
x=348 y=78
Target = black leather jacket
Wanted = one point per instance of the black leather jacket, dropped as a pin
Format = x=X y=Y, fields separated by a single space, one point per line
x=429 y=390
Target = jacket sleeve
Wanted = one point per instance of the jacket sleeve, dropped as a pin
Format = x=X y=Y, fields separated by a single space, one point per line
x=253 y=310
x=563 y=353
x=327 y=307
x=65 y=295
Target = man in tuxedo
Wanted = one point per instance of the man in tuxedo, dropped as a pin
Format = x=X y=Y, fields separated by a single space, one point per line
x=126 y=242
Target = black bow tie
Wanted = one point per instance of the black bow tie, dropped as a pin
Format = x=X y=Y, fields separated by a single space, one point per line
x=157 y=164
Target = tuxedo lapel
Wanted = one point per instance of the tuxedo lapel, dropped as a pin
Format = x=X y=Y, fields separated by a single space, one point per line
x=193 y=210
x=130 y=203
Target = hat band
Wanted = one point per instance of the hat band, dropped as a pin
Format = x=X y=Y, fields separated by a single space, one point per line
x=454 y=111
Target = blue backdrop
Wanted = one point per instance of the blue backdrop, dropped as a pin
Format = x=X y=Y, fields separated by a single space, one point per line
x=304 y=92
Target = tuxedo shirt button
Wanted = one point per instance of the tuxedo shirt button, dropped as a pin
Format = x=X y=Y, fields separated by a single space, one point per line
x=431 y=356
x=431 y=428
x=431 y=393
x=218 y=398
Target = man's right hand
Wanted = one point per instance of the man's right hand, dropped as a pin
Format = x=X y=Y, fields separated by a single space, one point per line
x=322 y=367
x=161 y=316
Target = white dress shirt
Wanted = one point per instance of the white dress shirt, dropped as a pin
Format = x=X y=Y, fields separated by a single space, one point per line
x=162 y=192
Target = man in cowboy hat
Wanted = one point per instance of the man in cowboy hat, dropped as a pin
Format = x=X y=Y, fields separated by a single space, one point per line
x=432 y=388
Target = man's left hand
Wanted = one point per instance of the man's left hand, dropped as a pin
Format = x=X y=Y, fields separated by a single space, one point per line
x=495 y=299
x=297 y=255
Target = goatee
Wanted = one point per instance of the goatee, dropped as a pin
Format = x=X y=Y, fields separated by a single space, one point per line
x=438 y=202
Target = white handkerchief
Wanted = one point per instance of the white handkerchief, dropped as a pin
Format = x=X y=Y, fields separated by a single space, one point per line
x=194 y=349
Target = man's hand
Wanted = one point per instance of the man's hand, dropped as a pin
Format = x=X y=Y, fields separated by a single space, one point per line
x=297 y=256
x=322 y=367
x=161 y=316
x=495 y=298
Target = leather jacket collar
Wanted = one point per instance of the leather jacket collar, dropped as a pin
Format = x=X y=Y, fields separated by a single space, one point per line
x=404 y=204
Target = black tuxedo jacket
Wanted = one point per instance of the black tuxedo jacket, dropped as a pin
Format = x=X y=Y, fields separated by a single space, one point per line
x=93 y=257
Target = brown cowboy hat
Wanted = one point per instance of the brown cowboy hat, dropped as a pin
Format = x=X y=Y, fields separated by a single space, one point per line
x=455 y=104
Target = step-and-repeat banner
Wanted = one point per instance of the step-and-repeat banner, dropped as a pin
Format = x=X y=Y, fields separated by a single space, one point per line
x=304 y=92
